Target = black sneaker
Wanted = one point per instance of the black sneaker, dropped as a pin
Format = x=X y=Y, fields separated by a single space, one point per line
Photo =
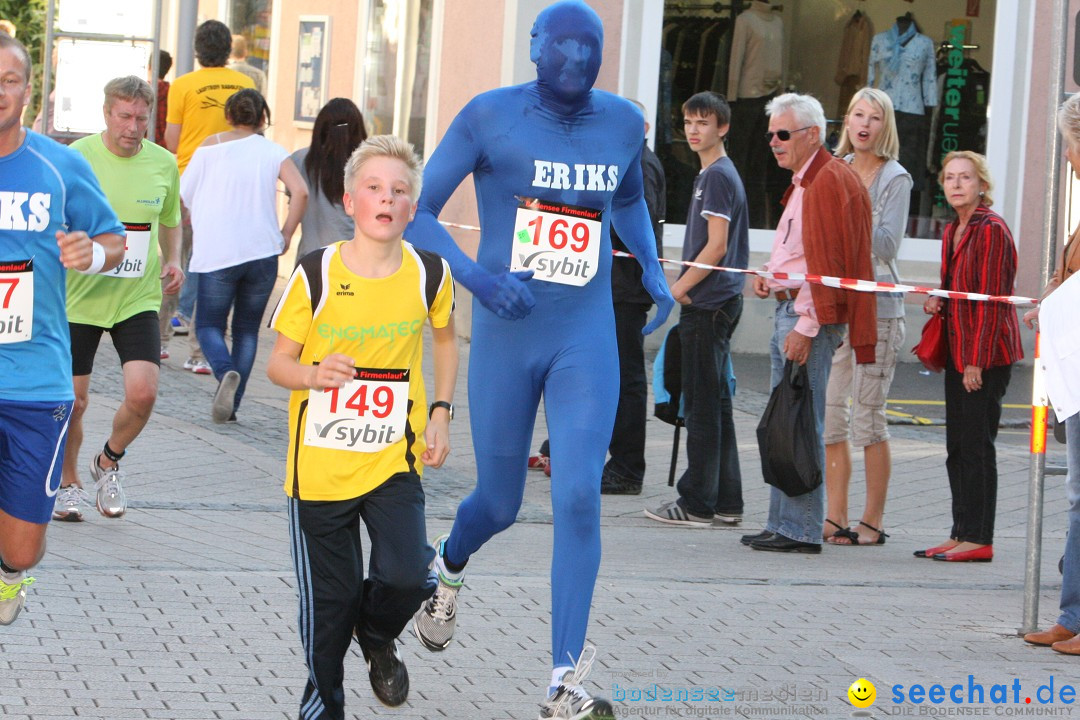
x=388 y=675
x=612 y=485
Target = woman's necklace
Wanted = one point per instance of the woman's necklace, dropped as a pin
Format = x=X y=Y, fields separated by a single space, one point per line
x=868 y=177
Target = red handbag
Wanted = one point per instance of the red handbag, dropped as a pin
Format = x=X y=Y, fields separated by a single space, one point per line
x=933 y=350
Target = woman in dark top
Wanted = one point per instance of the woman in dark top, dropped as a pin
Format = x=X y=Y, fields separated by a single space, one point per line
x=339 y=129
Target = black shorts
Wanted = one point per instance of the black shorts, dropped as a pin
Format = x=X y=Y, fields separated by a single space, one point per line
x=137 y=338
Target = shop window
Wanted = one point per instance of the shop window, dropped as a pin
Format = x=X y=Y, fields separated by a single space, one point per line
x=251 y=18
x=823 y=48
x=396 y=68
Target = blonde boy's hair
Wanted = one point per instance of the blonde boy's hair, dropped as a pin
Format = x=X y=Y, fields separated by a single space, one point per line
x=389 y=146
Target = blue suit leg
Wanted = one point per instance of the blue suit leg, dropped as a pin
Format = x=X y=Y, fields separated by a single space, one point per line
x=581 y=395
x=503 y=397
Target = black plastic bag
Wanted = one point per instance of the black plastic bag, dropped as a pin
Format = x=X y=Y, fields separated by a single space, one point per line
x=787 y=439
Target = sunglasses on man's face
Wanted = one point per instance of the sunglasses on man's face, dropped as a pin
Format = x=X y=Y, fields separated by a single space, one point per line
x=784 y=135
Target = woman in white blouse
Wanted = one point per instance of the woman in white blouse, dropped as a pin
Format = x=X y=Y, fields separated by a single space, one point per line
x=230 y=187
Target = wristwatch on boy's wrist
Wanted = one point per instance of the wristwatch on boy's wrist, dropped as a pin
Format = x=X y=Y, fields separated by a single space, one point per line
x=441 y=404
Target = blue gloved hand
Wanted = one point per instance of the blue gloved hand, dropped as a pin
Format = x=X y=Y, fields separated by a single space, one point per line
x=504 y=294
x=656 y=285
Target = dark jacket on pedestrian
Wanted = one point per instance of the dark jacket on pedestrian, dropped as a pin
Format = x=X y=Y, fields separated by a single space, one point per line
x=626 y=284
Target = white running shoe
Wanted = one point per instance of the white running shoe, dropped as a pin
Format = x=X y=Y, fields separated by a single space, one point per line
x=12 y=595
x=435 y=621
x=199 y=367
x=69 y=504
x=111 y=501
x=225 y=397
x=570 y=701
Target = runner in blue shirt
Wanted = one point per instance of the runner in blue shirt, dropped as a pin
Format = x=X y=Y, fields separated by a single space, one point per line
x=53 y=216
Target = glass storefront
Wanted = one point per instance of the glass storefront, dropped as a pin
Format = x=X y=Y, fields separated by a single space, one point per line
x=251 y=18
x=750 y=51
x=397 y=67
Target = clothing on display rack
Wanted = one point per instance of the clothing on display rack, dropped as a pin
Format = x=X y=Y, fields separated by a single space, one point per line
x=693 y=57
x=902 y=64
x=853 y=65
x=755 y=76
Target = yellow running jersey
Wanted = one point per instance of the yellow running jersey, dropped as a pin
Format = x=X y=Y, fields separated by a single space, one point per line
x=345 y=442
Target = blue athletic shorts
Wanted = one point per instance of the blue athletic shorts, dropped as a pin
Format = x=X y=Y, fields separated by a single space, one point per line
x=32 y=438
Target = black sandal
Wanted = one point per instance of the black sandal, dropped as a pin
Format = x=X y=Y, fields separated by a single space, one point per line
x=880 y=538
x=842 y=532
x=839 y=528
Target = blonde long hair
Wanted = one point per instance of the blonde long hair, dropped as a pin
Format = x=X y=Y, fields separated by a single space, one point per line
x=888 y=142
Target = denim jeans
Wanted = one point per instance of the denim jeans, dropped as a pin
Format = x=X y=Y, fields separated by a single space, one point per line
x=801 y=518
x=712 y=481
x=627 y=447
x=1070 y=578
x=245 y=289
x=185 y=304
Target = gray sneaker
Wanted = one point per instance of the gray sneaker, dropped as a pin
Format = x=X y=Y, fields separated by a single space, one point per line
x=570 y=701
x=672 y=514
x=225 y=397
x=12 y=595
x=435 y=621
x=69 y=504
x=110 y=489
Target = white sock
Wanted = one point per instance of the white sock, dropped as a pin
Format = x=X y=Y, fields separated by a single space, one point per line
x=11 y=578
x=440 y=565
x=557 y=677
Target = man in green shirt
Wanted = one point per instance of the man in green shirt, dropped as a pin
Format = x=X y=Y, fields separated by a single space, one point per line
x=142 y=184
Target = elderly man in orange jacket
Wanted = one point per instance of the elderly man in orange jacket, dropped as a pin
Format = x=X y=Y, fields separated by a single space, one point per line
x=825 y=230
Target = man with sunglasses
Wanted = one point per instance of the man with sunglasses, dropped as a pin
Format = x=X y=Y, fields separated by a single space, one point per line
x=824 y=230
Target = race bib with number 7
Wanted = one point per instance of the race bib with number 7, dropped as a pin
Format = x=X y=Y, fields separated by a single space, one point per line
x=367 y=414
x=559 y=243
x=16 y=300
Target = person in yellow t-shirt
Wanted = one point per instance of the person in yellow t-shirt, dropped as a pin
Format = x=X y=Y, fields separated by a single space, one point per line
x=195 y=111
x=349 y=347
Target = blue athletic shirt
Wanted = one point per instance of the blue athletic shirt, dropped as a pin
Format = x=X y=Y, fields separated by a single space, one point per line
x=44 y=187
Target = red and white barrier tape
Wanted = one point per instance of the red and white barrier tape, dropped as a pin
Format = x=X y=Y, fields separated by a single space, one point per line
x=854 y=284
x=829 y=281
x=460 y=226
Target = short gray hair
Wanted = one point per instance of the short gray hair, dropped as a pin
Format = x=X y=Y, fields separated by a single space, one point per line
x=1068 y=120
x=806 y=108
x=129 y=88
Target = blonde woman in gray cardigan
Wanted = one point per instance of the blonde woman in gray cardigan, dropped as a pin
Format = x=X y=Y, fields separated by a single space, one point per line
x=869 y=142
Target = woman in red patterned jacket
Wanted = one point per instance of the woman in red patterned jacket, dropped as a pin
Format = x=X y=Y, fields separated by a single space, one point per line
x=977 y=255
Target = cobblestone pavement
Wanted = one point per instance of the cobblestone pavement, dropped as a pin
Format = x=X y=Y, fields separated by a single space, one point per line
x=185 y=607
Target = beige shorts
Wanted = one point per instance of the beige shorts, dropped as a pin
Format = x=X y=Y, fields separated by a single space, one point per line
x=864 y=388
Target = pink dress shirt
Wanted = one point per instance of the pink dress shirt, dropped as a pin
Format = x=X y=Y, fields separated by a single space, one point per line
x=788 y=256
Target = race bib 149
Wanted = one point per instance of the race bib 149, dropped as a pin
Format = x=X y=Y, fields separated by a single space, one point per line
x=367 y=414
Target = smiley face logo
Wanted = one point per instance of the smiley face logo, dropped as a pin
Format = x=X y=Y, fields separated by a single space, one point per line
x=862 y=693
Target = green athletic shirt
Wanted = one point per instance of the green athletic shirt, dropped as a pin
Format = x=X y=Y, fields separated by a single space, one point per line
x=144 y=191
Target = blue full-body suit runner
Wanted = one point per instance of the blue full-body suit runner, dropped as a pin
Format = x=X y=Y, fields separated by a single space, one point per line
x=558 y=141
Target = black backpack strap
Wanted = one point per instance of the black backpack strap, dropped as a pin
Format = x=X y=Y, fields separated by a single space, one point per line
x=434 y=274
x=312 y=264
